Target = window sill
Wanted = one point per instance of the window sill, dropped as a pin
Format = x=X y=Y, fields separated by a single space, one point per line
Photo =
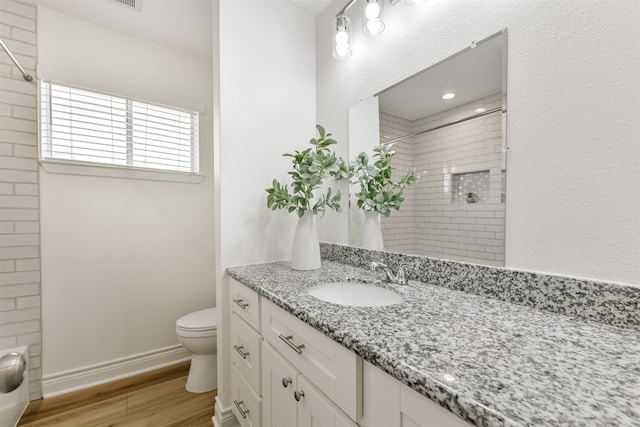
x=110 y=171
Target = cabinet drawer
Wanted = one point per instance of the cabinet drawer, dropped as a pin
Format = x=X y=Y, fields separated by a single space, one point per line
x=245 y=351
x=336 y=371
x=246 y=405
x=245 y=302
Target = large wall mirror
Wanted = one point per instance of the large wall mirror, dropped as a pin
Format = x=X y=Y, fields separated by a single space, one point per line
x=457 y=147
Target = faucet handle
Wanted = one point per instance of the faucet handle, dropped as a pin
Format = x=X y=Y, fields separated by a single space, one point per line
x=401 y=276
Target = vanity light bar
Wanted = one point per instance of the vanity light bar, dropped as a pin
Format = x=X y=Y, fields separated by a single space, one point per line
x=372 y=24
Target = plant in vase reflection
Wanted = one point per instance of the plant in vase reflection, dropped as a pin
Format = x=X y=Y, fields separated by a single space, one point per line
x=378 y=191
x=310 y=168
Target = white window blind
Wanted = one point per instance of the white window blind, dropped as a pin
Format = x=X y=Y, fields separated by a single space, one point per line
x=81 y=125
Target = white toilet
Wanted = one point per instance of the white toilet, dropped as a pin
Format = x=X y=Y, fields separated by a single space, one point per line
x=197 y=332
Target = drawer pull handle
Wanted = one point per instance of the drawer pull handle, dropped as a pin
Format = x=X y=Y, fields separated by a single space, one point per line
x=243 y=305
x=298 y=395
x=286 y=382
x=287 y=340
x=243 y=412
x=239 y=350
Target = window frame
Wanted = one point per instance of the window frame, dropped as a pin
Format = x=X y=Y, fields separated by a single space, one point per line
x=125 y=171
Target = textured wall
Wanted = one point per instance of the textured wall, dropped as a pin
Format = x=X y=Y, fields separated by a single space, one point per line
x=19 y=189
x=573 y=173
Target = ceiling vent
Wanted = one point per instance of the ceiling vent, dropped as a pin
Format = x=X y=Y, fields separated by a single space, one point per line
x=131 y=4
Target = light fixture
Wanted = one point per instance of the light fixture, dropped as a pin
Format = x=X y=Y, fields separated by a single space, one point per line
x=448 y=95
x=342 y=37
x=373 y=21
x=372 y=24
x=480 y=110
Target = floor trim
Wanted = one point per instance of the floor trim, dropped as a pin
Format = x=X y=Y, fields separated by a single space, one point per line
x=223 y=417
x=89 y=376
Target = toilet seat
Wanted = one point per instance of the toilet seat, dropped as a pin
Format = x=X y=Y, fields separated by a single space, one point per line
x=199 y=321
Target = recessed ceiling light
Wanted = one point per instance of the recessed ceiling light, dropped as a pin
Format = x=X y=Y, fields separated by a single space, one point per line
x=480 y=110
x=448 y=95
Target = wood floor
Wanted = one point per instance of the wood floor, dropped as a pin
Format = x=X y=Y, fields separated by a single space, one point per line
x=153 y=399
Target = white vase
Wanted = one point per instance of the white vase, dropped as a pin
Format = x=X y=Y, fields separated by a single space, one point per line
x=371 y=237
x=305 y=252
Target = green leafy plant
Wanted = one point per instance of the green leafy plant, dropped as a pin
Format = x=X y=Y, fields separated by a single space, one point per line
x=470 y=195
x=378 y=191
x=309 y=169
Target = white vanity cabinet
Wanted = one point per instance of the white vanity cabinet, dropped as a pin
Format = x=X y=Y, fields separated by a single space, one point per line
x=291 y=400
x=287 y=374
x=389 y=403
x=336 y=371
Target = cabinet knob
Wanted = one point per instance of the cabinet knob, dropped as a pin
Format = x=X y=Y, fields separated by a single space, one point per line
x=298 y=395
x=286 y=382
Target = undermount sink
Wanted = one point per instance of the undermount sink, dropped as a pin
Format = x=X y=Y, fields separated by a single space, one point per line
x=354 y=294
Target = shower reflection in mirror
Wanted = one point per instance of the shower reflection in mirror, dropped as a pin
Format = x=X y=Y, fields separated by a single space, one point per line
x=448 y=124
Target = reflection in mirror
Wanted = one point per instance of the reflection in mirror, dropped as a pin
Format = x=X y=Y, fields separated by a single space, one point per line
x=456 y=209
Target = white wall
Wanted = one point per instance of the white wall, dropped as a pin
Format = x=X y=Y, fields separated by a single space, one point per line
x=573 y=168
x=267 y=107
x=122 y=259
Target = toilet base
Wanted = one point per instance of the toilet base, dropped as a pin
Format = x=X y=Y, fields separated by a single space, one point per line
x=203 y=373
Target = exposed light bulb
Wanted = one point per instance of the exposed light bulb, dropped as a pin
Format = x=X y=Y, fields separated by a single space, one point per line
x=448 y=96
x=341 y=36
x=375 y=27
x=342 y=50
x=372 y=10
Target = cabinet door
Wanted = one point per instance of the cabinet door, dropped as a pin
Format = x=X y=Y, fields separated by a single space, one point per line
x=278 y=384
x=315 y=409
x=380 y=398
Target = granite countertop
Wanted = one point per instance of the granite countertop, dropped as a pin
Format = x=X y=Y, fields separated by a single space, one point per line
x=490 y=362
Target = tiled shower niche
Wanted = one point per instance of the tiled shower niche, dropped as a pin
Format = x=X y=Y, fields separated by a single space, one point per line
x=472 y=182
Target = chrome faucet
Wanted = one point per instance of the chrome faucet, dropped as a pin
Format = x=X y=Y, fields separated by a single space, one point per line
x=399 y=279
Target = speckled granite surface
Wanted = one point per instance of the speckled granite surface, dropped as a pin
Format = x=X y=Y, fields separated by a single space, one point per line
x=489 y=361
x=609 y=303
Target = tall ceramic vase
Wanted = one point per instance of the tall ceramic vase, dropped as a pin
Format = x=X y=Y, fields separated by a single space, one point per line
x=371 y=237
x=305 y=253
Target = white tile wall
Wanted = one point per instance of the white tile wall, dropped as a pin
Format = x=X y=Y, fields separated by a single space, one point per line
x=433 y=221
x=19 y=190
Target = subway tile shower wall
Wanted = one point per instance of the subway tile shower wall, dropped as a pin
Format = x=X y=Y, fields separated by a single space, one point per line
x=435 y=219
x=19 y=189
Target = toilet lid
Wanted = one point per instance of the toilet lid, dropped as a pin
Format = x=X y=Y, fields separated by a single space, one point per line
x=203 y=320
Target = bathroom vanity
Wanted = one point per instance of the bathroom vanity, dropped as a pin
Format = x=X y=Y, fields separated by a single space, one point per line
x=441 y=357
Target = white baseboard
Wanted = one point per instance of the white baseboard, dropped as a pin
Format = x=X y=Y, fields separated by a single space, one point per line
x=224 y=417
x=89 y=376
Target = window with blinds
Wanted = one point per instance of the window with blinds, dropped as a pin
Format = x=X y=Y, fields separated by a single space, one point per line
x=87 y=126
